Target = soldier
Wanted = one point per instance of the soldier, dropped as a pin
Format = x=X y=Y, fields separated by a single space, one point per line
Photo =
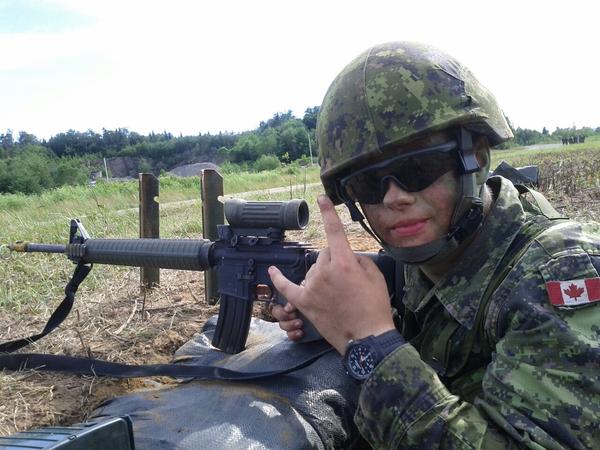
x=494 y=342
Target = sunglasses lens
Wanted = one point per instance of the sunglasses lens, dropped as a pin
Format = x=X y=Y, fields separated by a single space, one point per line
x=412 y=173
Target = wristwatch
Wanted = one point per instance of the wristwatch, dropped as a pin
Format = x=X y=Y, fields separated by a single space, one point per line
x=363 y=355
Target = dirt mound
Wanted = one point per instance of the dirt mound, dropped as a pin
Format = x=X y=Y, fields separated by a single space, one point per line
x=123 y=166
x=192 y=170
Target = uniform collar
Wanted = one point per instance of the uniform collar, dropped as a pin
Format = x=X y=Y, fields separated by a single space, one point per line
x=462 y=290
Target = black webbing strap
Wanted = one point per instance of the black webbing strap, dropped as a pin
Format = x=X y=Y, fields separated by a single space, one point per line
x=96 y=367
x=59 y=314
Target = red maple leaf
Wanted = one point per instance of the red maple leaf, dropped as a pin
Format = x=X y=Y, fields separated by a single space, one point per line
x=574 y=291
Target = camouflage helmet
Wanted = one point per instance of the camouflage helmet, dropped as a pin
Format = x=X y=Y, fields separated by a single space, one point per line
x=393 y=94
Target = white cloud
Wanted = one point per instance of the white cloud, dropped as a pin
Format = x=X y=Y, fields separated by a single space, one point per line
x=192 y=67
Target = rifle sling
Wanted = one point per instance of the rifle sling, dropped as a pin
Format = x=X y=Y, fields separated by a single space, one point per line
x=59 y=314
x=96 y=367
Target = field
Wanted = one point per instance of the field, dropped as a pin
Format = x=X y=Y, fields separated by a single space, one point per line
x=112 y=320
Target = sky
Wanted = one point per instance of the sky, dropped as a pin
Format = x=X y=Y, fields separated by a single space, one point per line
x=190 y=67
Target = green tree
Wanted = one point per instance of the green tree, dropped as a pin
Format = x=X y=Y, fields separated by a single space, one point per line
x=310 y=117
x=70 y=171
x=31 y=171
x=6 y=140
x=293 y=139
x=246 y=148
x=4 y=176
x=27 y=139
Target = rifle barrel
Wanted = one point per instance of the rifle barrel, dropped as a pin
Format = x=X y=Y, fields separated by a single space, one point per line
x=181 y=254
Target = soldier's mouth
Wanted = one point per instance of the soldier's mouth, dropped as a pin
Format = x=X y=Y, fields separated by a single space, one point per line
x=409 y=228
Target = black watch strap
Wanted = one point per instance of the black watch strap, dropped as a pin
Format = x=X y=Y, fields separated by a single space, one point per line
x=387 y=342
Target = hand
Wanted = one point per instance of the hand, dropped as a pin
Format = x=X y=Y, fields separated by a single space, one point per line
x=344 y=295
x=288 y=319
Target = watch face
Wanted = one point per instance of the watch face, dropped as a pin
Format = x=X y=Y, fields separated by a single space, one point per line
x=360 y=361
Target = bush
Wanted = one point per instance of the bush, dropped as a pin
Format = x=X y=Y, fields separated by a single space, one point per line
x=266 y=162
x=35 y=169
x=228 y=167
x=291 y=170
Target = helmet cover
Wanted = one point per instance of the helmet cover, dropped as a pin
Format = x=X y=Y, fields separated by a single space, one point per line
x=393 y=94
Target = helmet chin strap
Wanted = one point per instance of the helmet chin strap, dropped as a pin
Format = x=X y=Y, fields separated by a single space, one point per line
x=466 y=219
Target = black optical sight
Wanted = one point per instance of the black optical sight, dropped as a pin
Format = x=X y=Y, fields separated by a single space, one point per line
x=287 y=215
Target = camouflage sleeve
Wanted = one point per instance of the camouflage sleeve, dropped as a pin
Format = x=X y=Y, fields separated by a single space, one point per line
x=405 y=405
x=540 y=391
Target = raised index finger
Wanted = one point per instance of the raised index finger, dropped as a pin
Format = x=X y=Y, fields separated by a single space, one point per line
x=334 y=229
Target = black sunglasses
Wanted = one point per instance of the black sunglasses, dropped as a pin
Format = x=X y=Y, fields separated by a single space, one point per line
x=412 y=171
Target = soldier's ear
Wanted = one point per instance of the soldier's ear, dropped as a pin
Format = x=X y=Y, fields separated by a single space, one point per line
x=482 y=153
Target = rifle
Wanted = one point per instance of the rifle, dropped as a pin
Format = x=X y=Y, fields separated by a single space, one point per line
x=253 y=241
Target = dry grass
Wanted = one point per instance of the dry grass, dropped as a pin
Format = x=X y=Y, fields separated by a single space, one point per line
x=572 y=183
x=115 y=323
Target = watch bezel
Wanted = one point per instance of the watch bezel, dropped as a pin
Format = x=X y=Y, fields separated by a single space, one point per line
x=378 y=346
x=351 y=353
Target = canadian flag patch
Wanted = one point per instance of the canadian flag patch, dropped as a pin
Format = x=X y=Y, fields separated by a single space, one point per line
x=574 y=292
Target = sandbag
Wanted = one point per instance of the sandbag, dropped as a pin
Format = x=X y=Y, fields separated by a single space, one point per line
x=310 y=408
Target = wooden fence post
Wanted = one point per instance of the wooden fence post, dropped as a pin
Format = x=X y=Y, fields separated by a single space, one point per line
x=149 y=224
x=211 y=188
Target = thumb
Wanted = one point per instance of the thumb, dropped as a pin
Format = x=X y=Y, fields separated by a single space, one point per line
x=289 y=290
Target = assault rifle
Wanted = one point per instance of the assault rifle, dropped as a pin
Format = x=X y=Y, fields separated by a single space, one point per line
x=241 y=256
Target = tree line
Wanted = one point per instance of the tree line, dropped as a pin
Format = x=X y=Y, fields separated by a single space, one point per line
x=31 y=166
x=526 y=136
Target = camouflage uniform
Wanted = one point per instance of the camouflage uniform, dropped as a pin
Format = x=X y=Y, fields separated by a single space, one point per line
x=497 y=369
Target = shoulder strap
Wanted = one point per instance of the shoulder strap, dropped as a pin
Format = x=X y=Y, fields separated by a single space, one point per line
x=541 y=202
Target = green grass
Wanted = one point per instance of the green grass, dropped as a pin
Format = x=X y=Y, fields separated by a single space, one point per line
x=109 y=210
x=522 y=156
